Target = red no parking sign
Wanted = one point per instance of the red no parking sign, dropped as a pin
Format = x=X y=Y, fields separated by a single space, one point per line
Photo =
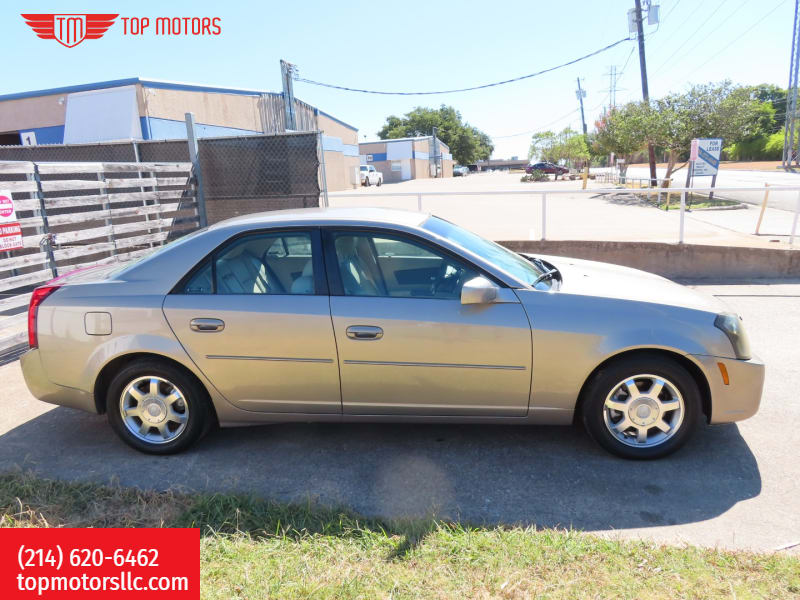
x=10 y=230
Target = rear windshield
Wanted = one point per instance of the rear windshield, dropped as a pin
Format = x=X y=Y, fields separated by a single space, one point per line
x=128 y=264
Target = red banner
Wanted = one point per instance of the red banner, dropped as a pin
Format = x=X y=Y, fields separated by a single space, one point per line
x=99 y=563
x=10 y=236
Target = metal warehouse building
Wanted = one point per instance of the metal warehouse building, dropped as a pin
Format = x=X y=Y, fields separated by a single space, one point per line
x=146 y=109
x=408 y=158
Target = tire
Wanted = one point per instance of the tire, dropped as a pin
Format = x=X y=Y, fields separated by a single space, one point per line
x=366 y=182
x=616 y=417
x=177 y=407
x=380 y=182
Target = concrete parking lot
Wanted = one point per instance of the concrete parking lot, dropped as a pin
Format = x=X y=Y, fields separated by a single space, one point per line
x=733 y=486
x=572 y=214
x=786 y=201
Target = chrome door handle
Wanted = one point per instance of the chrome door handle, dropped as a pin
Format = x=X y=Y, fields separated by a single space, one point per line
x=207 y=325
x=364 y=332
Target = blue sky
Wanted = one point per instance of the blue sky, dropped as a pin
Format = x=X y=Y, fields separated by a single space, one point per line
x=417 y=46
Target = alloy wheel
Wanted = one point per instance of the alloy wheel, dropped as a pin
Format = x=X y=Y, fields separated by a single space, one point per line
x=153 y=409
x=644 y=411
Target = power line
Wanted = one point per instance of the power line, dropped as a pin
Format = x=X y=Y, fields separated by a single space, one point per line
x=663 y=19
x=736 y=38
x=720 y=24
x=608 y=96
x=671 y=10
x=467 y=89
x=674 y=6
x=680 y=46
x=561 y=118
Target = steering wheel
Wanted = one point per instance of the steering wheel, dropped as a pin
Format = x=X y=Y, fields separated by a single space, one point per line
x=447 y=283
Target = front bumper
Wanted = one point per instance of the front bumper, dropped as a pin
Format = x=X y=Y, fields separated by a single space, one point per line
x=47 y=391
x=741 y=398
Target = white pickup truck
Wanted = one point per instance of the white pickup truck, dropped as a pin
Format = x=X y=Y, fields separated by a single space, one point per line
x=369 y=176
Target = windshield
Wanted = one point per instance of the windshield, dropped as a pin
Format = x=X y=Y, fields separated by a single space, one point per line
x=154 y=252
x=511 y=262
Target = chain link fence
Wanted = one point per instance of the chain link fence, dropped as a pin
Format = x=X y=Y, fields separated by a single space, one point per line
x=238 y=175
x=91 y=203
x=247 y=174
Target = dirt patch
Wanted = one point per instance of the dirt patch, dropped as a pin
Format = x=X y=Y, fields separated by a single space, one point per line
x=729 y=165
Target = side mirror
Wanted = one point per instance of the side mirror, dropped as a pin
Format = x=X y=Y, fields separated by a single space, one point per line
x=478 y=291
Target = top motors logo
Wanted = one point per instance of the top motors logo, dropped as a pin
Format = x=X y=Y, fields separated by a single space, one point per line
x=70 y=29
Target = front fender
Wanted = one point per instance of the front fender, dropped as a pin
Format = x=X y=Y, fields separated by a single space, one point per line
x=573 y=335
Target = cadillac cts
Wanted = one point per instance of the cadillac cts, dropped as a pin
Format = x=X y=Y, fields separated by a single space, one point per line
x=382 y=315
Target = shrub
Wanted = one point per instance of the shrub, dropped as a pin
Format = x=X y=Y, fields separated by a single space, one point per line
x=535 y=175
x=774 y=146
x=763 y=147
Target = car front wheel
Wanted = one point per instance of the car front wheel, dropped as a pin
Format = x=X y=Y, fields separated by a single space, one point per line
x=642 y=407
x=157 y=408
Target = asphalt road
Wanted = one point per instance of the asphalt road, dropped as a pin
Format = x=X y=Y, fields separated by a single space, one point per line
x=734 y=486
x=736 y=178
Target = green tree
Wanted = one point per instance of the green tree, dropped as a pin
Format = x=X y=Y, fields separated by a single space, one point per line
x=709 y=110
x=775 y=97
x=706 y=110
x=567 y=145
x=467 y=144
x=541 y=145
x=620 y=131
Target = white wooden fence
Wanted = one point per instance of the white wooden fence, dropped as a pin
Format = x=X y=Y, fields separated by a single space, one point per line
x=79 y=214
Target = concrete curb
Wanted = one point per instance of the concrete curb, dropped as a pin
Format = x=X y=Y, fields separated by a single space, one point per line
x=688 y=261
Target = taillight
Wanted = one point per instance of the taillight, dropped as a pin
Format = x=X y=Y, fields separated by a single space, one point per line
x=38 y=296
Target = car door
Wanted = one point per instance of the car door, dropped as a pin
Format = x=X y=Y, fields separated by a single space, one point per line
x=407 y=346
x=254 y=317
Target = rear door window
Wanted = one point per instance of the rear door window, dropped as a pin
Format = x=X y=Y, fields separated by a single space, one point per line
x=263 y=263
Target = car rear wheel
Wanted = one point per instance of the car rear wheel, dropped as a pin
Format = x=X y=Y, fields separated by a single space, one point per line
x=366 y=181
x=642 y=407
x=157 y=408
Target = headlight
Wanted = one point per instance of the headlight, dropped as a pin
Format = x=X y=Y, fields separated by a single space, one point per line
x=732 y=326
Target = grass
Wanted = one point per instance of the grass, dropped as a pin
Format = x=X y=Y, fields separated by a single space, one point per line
x=693 y=201
x=252 y=548
x=658 y=197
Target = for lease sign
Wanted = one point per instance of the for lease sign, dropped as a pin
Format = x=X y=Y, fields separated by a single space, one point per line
x=10 y=230
x=707 y=161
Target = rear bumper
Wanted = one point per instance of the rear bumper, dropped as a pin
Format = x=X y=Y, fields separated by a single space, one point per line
x=47 y=391
x=741 y=398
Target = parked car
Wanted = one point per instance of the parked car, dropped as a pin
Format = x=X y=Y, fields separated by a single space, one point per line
x=459 y=171
x=547 y=167
x=370 y=176
x=368 y=314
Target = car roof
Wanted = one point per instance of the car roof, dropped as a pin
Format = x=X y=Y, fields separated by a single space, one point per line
x=324 y=216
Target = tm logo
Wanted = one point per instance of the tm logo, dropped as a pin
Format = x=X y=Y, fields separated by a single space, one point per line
x=70 y=30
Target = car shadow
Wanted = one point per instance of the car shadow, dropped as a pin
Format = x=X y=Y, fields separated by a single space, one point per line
x=479 y=474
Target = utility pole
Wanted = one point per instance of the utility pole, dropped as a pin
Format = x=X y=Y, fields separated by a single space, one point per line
x=435 y=145
x=645 y=92
x=287 y=72
x=791 y=159
x=581 y=94
x=612 y=86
